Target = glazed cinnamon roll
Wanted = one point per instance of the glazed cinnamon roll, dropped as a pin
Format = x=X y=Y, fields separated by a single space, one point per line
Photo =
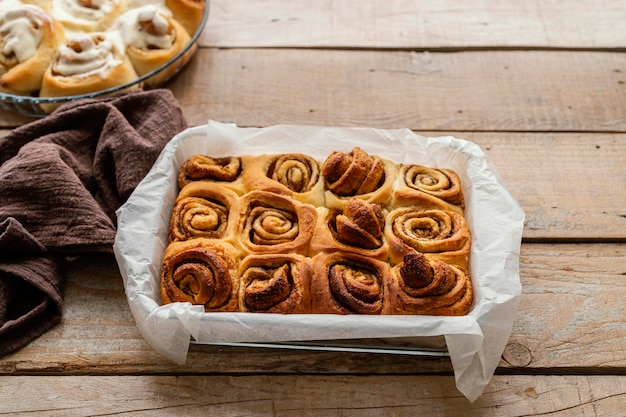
x=151 y=37
x=429 y=187
x=204 y=210
x=29 y=38
x=226 y=171
x=273 y=223
x=201 y=272
x=188 y=12
x=420 y=285
x=358 y=228
x=438 y=233
x=292 y=174
x=357 y=174
x=86 y=63
x=345 y=283
x=275 y=284
x=86 y=15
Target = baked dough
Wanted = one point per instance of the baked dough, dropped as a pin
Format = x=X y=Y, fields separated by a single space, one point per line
x=420 y=285
x=29 y=38
x=203 y=272
x=188 y=12
x=87 y=62
x=292 y=174
x=275 y=284
x=151 y=38
x=393 y=241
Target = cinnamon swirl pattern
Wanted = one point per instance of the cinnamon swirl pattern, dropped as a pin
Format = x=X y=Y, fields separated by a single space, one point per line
x=420 y=285
x=275 y=284
x=226 y=171
x=311 y=239
x=347 y=284
x=203 y=210
x=201 y=272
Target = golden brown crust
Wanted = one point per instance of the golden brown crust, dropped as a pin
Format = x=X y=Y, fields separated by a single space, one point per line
x=348 y=255
x=358 y=229
x=273 y=223
x=275 y=284
x=188 y=12
x=420 y=285
x=202 y=272
x=345 y=283
x=204 y=210
x=293 y=174
x=439 y=233
x=115 y=68
x=153 y=56
x=226 y=171
x=427 y=187
x=357 y=174
x=25 y=76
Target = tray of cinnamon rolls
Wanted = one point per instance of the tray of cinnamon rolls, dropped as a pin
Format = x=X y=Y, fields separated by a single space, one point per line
x=287 y=233
x=286 y=236
x=55 y=51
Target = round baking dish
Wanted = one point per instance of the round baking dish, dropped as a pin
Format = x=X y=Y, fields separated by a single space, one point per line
x=31 y=106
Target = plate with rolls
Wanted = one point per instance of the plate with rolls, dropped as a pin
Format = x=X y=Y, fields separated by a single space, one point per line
x=322 y=238
x=55 y=51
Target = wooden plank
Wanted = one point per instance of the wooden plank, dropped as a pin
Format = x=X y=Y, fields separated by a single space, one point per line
x=571 y=316
x=570 y=185
x=305 y=395
x=472 y=91
x=410 y=24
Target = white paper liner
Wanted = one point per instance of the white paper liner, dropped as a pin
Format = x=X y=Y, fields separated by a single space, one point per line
x=475 y=342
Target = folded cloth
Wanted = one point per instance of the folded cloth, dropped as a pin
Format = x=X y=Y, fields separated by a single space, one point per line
x=61 y=179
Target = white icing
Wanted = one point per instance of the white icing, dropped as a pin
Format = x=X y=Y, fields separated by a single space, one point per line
x=92 y=54
x=82 y=12
x=20 y=31
x=134 y=34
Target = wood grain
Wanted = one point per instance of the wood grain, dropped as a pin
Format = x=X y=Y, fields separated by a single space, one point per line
x=305 y=395
x=410 y=24
x=474 y=91
x=571 y=316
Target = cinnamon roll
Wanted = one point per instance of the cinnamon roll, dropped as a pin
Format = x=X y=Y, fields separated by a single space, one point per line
x=226 y=171
x=420 y=285
x=85 y=63
x=86 y=15
x=204 y=210
x=29 y=38
x=429 y=187
x=438 y=233
x=345 y=283
x=275 y=284
x=188 y=12
x=273 y=223
x=358 y=228
x=201 y=272
x=357 y=174
x=151 y=37
x=292 y=174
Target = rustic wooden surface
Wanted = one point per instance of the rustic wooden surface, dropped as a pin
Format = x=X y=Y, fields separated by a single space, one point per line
x=540 y=87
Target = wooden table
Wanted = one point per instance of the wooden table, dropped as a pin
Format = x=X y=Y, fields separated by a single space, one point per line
x=539 y=86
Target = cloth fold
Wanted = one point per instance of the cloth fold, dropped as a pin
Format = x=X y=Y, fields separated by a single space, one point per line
x=61 y=180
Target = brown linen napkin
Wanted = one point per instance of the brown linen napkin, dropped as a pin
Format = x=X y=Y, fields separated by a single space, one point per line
x=61 y=180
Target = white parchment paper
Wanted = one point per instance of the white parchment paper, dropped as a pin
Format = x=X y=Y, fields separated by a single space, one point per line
x=475 y=342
